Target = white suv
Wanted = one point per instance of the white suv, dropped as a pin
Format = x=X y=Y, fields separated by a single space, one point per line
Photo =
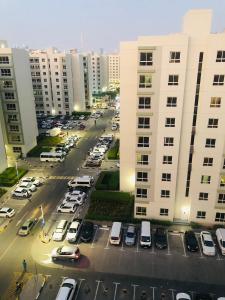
x=28 y=186
x=73 y=231
x=31 y=180
x=67 y=289
x=67 y=207
x=21 y=193
x=208 y=247
x=7 y=212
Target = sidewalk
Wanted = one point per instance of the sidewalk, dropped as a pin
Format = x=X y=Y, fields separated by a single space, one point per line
x=32 y=288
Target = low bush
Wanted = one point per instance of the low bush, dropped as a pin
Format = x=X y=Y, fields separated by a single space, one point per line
x=80 y=113
x=36 y=151
x=111 y=206
x=113 y=153
x=9 y=176
x=49 y=141
x=108 y=180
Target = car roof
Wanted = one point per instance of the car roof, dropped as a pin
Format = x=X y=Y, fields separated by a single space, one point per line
x=5 y=208
x=207 y=235
x=68 y=249
x=20 y=189
x=74 y=224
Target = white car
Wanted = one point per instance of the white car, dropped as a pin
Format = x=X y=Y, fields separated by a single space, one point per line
x=31 y=180
x=6 y=212
x=75 y=196
x=67 y=207
x=208 y=246
x=114 y=127
x=28 y=186
x=21 y=193
x=67 y=289
x=96 y=155
x=82 y=117
x=183 y=296
x=73 y=231
x=65 y=253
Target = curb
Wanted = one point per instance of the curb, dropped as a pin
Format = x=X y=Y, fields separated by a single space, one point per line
x=41 y=288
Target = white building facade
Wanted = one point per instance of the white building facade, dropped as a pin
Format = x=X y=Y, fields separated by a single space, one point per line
x=114 y=70
x=172 y=152
x=18 y=121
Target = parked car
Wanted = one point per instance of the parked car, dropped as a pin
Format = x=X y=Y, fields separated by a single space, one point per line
x=82 y=117
x=67 y=289
x=7 y=212
x=28 y=186
x=191 y=241
x=87 y=232
x=114 y=127
x=32 y=180
x=208 y=247
x=130 y=237
x=160 y=238
x=183 y=296
x=21 y=193
x=220 y=235
x=66 y=253
x=60 y=230
x=75 y=196
x=73 y=231
x=81 y=126
x=25 y=229
x=92 y=162
x=67 y=207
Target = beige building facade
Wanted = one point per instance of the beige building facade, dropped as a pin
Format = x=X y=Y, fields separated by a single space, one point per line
x=172 y=153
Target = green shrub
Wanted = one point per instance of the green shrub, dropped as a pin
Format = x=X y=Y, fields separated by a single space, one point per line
x=36 y=151
x=108 y=180
x=113 y=153
x=9 y=176
x=80 y=113
x=195 y=225
x=111 y=206
x=49 y=141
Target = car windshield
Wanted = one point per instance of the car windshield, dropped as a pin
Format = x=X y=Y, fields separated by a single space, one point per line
x=69 y=285
x=130 y=234
x=10 y=209
x=208 y=243
x=223 y=244
x=72 y=230
x=145 y=239
x=24 y=227
x=58 y=230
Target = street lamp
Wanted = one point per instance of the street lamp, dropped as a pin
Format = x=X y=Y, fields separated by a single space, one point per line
x=17 y=173
x=43 y=220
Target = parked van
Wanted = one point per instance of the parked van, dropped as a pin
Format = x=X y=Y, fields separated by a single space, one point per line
x=220 y=235
x=145 y=238
x=60 y=230
x=81 y=181
x=116 y=233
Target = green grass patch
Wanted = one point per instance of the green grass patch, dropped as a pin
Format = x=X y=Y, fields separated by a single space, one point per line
x=113 y=153
x=2 y=192
x=49 y=141
x=9 y=176
x=37 y=150
x=108 y=180
x=111 y=206
x=80 y=113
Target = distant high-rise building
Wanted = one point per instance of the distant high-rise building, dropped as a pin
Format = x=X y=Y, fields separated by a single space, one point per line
x=114 y=69
x=172 y=144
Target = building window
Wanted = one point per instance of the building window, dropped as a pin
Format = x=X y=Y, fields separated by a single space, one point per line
x=164 y=211
x=145 y=81
x=142 y=176
x=57 y=86
x=222 y=180
x=12 y=118
x=14 y=128
x=64 y=73
x=143 y=122
x=141 y=211
x=174 y=57
x=168 y=141
x=208 y=161
x=142 y=159
x=203 y=196
x=17 y=149
x=205 y=179
x=58 y=93
x=11 y=106
x=171 y=102
x=46 y=92
x=55 y=59
x=145 y=59
x=56 y=73
x=141 y=193
x=213 y=123
x=220 y=56
x=173 y=80
x=45 y=86
x=165 y=193
x=144 y=103
x=201 y=214
x=166 y=177
x=220 y=217
x=143 y=141
x=5 y=72
x=167 y=160
x=7 y=84
x=215 y=102
x=210 y=143
x=4 y=60
x=221 y=198
x=224 y=163
x=170 y=122
x=15 y=138
x=59 y=105
x=218 y=80
x=9 y=95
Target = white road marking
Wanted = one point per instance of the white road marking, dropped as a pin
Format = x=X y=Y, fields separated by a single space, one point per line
x=116 y=284
x=122 y=246
x=199 y=246
x=96 y=291
x=107 y=245
x=153 y=292
x=81 y=280
x=21 y=219
x=93 y=242
x=6 y=250
x=172 y=291
x=134 y=290
x=138 y=240
x=168 y=245
x=182 y=238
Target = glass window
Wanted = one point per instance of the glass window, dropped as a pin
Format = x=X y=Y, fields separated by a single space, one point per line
x=143 y=141
x=215 y=102
x=171 y=102
x=167 y=160
x=205 y=179
x=203 y=196
x=145 y=59
x=213 y=123
x=173 y=80
x=220 y=217
x=143 y=122
x=141 y=211
x=174 y=57
x=168 y=141
x=144 y=103
x=5 y=72
x=142 y=159
x=141 y=193
x=221 y=198
x=170 y=122
x=145 y=81
x=218 y=80
x=210 y=143
x=142 y=176
x=165 y=193
x=201 y=214
x=166 y=177
x=208 y=161
x=164 y=211
x=4 y=60
x=220 y=56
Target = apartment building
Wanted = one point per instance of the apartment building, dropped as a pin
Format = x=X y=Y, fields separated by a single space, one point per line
x=99 y=70
x=17 y=117
x=3 y=157
x=113 y=70
x=172 y=150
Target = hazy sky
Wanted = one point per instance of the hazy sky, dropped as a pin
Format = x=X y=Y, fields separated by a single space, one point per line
x=102 y=23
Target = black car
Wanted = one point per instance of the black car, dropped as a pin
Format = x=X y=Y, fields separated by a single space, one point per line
x=191 y=241
x=203 y=297
x=87 y=232
x=160 y=238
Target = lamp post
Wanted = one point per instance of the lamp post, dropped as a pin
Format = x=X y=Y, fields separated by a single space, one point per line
x=17 y=173
x=43 y=220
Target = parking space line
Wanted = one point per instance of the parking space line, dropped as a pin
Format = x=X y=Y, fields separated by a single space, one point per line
x=172 y=292
x=182 y=238
x=153 y=291
x=138 y=240
x=192 y=294
x=81 y=280
x=115 y=292
x=93 y=241
x=199 y=245
x=107 y=245
x=134 y=290
x=21 y=219
x=122 y=245
x=218 y=255
x=168 y=245
x=96 y=291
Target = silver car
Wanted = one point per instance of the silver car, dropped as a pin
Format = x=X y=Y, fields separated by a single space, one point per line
x=130 y=237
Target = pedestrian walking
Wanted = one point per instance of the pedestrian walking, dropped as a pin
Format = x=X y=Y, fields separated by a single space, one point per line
x=24 y=265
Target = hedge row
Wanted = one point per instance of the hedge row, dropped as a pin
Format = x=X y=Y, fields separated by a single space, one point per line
x=80 y=113
x=9 y=176
x=113 y=153
x=36 y=151
x=108 y=181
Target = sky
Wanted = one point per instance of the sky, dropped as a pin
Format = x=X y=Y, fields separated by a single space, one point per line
x=95 y=24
